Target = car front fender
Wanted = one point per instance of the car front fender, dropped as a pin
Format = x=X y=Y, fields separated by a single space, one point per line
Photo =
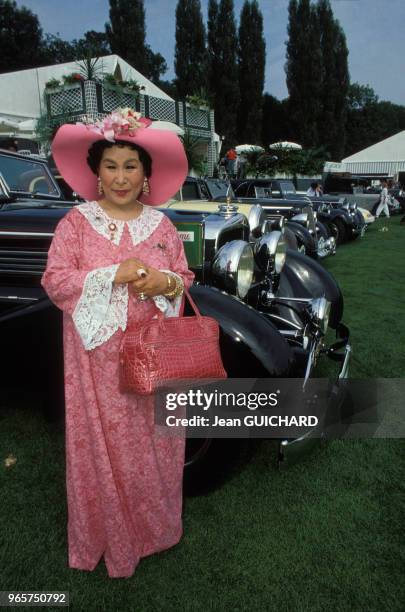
x=251 y=346
x=305 y=278
x=304 y=237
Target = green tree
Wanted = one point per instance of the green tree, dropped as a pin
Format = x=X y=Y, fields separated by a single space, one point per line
x=55 y=50
x=20 y=37
x=168 y=87
x=126 y=35
x=190 y=52
x=291 y=162
x=303 y=71
x=334 y=79
x=251 y=64
x=222 y=68
x=359 y=96
x=192 y=148
x=276 y=125
x=156 y=65
x=93 y=44
x=370 y=120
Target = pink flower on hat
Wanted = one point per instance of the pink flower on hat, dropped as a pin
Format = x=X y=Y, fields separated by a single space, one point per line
x=122 y=121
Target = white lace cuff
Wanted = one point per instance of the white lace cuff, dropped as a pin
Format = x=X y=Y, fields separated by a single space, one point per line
x=170 y=308
x=102 y=307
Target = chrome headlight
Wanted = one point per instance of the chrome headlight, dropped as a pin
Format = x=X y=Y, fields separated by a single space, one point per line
x=353 y=206
x=270 y=252
x=319 y=309
x=232 y=268
x=346 y=206
x=273 y=224
x=257 y=220
x=300 y=218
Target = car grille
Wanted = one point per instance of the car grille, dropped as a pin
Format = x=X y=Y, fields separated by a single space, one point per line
x=22 y=263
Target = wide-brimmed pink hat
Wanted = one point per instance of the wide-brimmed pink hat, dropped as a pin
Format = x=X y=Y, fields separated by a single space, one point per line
x=169 y=163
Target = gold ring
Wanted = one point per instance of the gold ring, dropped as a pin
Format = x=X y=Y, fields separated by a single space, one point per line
x=142 y=297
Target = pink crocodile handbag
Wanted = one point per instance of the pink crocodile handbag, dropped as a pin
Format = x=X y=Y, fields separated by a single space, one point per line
x=170 y=349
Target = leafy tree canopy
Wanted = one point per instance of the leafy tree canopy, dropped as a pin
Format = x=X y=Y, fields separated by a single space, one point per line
x=126 y=34
x=190 y=59
x=20 y=37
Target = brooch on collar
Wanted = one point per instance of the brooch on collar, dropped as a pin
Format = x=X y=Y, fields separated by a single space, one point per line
x=113 y=228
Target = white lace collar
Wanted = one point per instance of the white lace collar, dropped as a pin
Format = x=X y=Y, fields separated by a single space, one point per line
x=140 y=228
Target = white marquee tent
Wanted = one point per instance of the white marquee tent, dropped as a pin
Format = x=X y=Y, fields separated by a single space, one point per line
x=387 y=157
x=21 y=92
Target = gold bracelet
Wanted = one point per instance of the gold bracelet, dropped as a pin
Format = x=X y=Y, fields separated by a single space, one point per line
x=169 y=283
x=178 y=287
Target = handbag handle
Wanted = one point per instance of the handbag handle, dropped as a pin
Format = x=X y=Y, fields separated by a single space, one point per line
x=191 y=302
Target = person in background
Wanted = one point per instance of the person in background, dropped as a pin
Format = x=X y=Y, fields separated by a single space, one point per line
x=10 y=144
x=383 y=204
x=315 y=191
x=230 y=156
x=242 y=166
x=222 y=167
x=236 y=167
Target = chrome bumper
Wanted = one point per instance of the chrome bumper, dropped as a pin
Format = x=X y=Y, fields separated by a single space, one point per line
x=292 y=450
x=326 y=247
x=359 y=230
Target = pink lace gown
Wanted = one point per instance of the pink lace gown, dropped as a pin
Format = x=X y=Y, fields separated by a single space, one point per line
x=124 y=481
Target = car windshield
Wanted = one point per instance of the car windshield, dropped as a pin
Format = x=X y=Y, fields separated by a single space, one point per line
x=287 y=187
x=219 y=188
x=27 y=176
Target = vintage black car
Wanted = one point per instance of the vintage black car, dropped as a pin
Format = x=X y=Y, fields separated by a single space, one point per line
x=341 y=218
x=273 y=306
x=361 y=188
x=301 y=229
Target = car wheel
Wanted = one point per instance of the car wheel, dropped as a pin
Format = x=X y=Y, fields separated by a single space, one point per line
x=210 y=461
x=321 y=230
x=337 y=229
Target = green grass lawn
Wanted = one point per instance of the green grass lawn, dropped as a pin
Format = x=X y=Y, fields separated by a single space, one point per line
x=371 y=274
x=326 y=534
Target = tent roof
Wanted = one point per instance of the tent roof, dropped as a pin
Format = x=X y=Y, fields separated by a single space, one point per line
x=390 y=149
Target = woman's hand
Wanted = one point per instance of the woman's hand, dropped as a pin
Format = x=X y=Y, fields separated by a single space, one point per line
x=154 y=283
x=128 y=271
x=141 y=278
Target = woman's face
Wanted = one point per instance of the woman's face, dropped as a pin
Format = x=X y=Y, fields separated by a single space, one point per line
x=121 y=174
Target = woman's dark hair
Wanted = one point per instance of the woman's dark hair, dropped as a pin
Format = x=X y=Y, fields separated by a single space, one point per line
x=97 y=148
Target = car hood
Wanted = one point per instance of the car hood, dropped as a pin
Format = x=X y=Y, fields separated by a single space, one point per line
x=205 y=206
x=32 y=219
x=44 y=220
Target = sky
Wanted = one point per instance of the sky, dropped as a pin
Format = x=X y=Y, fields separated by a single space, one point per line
x=374 y=31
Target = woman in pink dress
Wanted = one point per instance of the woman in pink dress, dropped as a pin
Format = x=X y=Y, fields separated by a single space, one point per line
x=113 y=261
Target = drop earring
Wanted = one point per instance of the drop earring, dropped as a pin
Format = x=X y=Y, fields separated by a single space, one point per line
x=146 y=187
x=99 y=186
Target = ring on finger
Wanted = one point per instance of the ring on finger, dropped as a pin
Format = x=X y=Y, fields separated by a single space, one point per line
x=142 y=296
